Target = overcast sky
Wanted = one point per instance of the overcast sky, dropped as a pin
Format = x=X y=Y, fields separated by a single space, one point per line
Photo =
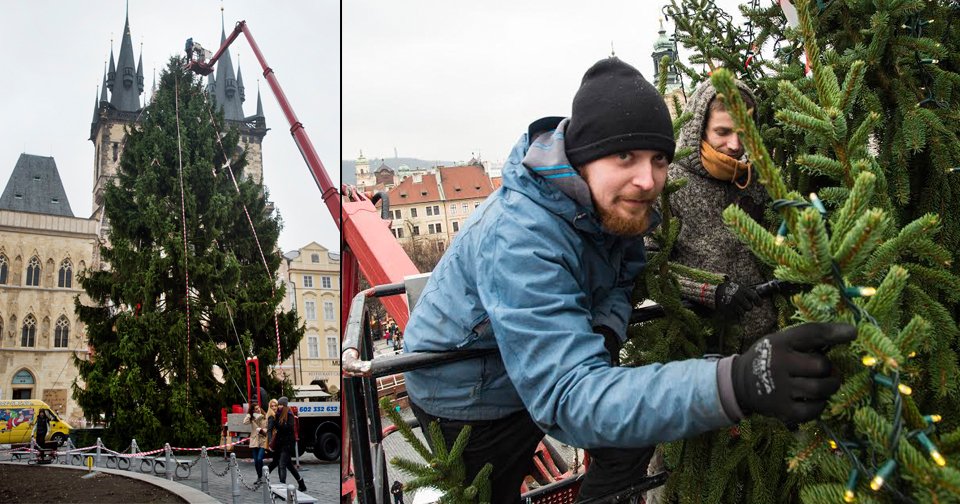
x=440 y=80
x=54 y=53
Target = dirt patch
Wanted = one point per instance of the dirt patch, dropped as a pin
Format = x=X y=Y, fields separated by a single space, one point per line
x=30 y=483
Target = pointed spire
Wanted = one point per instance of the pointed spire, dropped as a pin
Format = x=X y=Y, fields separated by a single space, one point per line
x=113 y=68
x=96 y=107
x=140 y=69
x=103 y=86
x=259 y=103
x=153 y=90
x=127 y=88
x=243 y=98
x=226 y=89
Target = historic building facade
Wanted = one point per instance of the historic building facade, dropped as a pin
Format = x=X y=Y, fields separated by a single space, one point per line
x=312 y=274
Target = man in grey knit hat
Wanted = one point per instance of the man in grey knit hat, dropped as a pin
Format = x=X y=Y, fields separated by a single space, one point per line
x=544 y=270
x=719 y=175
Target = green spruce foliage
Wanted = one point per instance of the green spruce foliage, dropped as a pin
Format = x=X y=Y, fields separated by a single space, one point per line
x=444 y=469
x=146 y=376
x=860 y=157
x=878 y=438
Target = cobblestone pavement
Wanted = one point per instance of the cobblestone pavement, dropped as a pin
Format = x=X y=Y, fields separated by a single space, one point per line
x=322 y=478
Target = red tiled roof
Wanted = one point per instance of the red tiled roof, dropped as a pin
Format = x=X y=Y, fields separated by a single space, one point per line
x=464 y=182
x=407 y=192
x=497 y=182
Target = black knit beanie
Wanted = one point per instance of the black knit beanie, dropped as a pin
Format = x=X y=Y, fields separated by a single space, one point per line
x=617 y=110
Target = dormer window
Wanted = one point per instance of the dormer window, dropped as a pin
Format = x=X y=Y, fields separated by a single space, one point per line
x=18 y=196
x=55 y=200
x=36 y=178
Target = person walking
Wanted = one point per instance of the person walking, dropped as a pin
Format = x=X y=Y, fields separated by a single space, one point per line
x=42 y=425
x=282 y=428
x=258 y=437
x=397 y=491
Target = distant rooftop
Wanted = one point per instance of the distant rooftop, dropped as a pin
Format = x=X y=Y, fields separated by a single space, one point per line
x=35 y=186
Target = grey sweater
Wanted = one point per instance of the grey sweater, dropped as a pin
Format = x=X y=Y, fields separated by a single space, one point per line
x=705 y=242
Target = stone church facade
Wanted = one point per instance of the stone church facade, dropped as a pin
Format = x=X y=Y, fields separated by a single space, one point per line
x=43 y=245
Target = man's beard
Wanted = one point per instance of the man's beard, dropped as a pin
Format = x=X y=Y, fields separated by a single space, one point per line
x=621 y=226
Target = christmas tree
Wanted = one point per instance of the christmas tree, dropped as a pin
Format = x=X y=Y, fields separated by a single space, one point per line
x=870 y=126
x=186 y=295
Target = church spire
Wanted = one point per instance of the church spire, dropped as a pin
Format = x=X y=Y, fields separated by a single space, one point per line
x=140 y=70
x=113 y=68
x=103 y=86
x=259 y=103
x=126 y=86
x=243 y=98
x=226 y=89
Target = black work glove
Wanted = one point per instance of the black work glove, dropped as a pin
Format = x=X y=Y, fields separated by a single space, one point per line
x=733 y=300
x=786 y=375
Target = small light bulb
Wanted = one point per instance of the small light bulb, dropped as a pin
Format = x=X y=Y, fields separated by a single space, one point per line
x=869 y=360
x=933 y=418
x=904 y=389
x=867 y=291
x=815 y=201
x=833 y=444
x=935 y=455
x=912 y=354
x=848 y=496
x=885 y=471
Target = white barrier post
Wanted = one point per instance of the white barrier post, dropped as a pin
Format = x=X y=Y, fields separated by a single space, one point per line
x=291 y=494
x=204 y=481
x=134 y=449
x=234 y=481
x=265 y=488
x=99 y=446
x=168 y=463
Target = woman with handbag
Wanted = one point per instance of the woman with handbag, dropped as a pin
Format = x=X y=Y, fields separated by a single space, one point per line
x=258 y=437
x=283 y=435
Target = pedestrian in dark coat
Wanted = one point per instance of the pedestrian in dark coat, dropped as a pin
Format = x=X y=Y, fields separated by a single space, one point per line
x=283 y=428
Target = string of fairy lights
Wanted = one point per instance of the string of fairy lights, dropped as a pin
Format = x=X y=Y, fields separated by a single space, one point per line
x=882 y=475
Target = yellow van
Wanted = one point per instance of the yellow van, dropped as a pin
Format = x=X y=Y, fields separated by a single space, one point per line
x=17 y=419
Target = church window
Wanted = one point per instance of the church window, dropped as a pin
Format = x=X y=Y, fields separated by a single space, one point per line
x=3 y=269
x=28 y=335
x=33 y=272
x=65 y=277
x=116 y=151
x=62 y=333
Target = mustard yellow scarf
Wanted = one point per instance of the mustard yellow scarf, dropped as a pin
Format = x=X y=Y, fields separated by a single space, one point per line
x=723 y=167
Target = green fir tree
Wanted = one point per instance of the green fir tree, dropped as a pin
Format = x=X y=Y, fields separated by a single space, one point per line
x=444 y=469
x=146 y=376
x=865 y=263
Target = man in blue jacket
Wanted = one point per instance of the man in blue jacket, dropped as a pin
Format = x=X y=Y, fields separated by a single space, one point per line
x=544 y=271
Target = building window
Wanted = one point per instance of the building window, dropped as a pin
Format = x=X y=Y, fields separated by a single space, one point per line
x=436 y=209
x=310 y=309
x=314 y=258
x=23 y=378
x=429 y=211
x=397 y=215
x=456 y=226
x=65 y=277
x=62 y=333
x=413 y=212
x=3 y=269
x=464 y=208
x=325 y=282
x=453 y=209
x=439 y=227
x=28 y=335
x=399 y=232
x=435 y=228
x=313 y=347
x=416 y=230
x=33 y=272
x=327 y=310
x=308 y=281
x=475 y=205
x=333 y=348
x=431 y=229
